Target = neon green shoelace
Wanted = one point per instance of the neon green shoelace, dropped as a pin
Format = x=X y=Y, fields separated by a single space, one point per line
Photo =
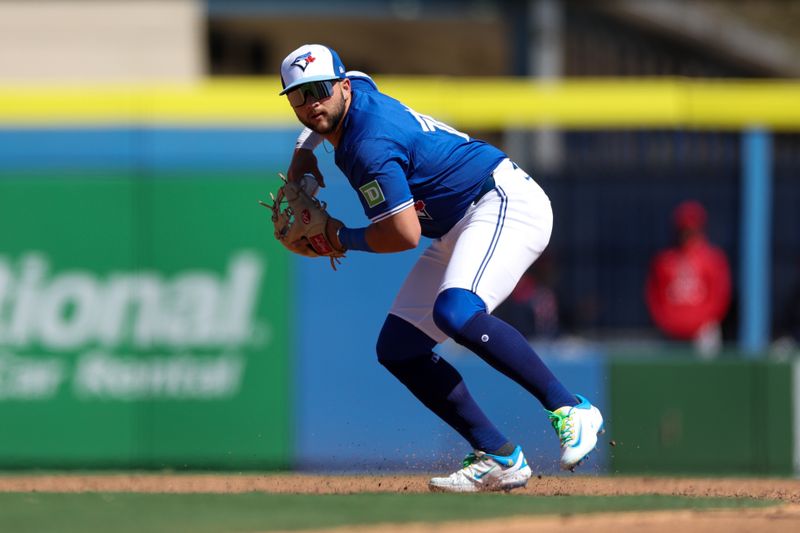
x=563 y=426
x=469 y=460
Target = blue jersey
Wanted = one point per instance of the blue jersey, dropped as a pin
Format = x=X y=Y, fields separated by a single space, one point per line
x=395 y=158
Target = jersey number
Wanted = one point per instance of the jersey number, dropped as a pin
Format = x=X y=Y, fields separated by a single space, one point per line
x=430 y=124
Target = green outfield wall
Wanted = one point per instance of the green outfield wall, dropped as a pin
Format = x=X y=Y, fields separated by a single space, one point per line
x=693 y=417
x=143 y=322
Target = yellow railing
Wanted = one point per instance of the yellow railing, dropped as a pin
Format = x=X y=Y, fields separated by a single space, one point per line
x=483 y=103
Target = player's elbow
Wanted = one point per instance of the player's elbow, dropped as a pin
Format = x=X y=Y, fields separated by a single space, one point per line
x=408 y=228
x=408 y=235
x=408 y=241
x=400 y=232
x=397 y=242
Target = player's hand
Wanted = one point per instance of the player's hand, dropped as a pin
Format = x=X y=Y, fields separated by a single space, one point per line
x=304 y=162
x=301 y=247
x=332 y=227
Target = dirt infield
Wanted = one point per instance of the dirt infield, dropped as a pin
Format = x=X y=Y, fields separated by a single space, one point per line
x=783 y=518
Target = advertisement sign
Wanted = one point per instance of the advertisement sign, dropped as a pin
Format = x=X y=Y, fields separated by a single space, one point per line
x=142 y=323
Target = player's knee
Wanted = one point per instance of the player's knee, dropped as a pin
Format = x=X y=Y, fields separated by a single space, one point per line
x=453 y=309
x=400 y=341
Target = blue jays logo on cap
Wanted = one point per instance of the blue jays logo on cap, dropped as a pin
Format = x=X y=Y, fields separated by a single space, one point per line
x=309 y=63
x=302 y=61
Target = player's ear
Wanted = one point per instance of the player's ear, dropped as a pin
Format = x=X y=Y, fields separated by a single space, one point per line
x=346 y=88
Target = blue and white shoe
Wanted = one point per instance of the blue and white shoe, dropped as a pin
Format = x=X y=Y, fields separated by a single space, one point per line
x=486 y=472
x=577 y=427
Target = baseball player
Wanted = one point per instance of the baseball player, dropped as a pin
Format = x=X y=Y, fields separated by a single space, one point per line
x=489 y=221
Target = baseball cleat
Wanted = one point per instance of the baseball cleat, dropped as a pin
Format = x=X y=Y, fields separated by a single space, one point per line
x=486 y=472
x=577 y=427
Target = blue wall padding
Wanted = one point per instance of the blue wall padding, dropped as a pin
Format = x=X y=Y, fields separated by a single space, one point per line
x=146 y=149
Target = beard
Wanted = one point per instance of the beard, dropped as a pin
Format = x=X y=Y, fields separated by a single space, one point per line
x=331 y=122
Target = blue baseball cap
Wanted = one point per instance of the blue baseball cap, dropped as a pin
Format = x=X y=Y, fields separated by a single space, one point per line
x=309 y=63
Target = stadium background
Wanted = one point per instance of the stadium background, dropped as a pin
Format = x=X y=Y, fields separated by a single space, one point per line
x=147 y=320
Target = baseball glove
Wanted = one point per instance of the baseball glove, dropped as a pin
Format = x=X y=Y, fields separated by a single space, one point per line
x=301 y=222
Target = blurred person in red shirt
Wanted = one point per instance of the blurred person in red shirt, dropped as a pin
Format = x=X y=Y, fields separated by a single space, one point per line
x=688 y=287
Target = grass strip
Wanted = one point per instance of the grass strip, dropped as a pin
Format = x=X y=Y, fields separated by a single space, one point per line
x=217 y=513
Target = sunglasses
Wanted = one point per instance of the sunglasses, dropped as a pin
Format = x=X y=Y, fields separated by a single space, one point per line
x=317 y=89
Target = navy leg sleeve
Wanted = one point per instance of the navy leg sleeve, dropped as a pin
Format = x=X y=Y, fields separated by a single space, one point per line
x=408 y=354
x=462 y=315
